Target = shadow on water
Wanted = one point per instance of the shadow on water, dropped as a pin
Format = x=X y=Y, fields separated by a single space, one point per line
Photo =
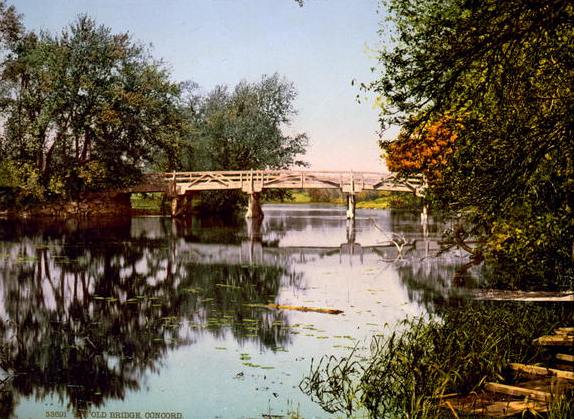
x=87 y=309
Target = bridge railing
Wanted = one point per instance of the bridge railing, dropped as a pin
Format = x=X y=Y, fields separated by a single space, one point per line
x=257 y=180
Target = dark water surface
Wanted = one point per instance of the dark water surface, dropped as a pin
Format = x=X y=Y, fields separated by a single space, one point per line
x=151 y=317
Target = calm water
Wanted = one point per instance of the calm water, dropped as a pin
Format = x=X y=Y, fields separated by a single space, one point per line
x=149 y=316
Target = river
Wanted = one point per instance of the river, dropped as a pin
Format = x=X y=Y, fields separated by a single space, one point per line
x=152 y=317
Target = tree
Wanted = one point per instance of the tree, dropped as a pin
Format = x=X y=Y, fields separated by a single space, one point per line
x=505 y=71
x=86 y=110
x=11 y=28
x=244 y=129
x=426 y=151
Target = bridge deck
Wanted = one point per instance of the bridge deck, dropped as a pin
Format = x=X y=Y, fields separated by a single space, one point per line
x=178 y=183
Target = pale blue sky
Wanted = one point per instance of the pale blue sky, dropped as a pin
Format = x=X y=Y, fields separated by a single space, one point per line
x=320 y=47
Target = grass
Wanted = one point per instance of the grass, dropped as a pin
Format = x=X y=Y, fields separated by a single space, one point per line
x=304 y=197
x=299 y=198
x=365 y=199
x=425 y=359
x=378 y=203
x=563 y=407
x=147 y=203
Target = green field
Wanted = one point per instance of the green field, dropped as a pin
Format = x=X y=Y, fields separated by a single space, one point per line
x=147 y=202
x=366 y=199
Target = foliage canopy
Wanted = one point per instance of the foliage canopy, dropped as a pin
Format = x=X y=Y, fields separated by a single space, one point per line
x=503 y=71
x=242 y=129
x=89 y=110
x=84 y=110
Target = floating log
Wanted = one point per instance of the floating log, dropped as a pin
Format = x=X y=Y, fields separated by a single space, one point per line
x=503 y=295
x=303 y=308
x=547 y=372
x=542 y=396
x=492 y=408
x=554 y=340
x=565 y=357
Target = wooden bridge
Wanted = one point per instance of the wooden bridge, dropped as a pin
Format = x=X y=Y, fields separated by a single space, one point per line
x=181 y=185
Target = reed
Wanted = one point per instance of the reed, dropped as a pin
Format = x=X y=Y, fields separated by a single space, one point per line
x=563 y=407
x=412 y=368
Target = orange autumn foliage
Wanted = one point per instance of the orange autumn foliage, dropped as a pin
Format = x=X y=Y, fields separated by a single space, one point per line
x=426 y=151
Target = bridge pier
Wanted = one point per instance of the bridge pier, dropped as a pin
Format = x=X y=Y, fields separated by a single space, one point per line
x=254 y=229
x=424 y=220
x=351 y=204
x=181 y=205
x=174 y=205
x=254 y=206
x=351 y=231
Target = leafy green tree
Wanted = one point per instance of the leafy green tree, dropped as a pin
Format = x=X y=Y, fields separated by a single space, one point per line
x=505 y=71
x=86 y=110
x=244 y=129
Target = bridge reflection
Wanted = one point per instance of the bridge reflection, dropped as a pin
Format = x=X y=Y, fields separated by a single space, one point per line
x=253 y=250
x=86 y=310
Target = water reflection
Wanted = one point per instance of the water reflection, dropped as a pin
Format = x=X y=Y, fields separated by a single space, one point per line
x=432 y=282
x=89 y=308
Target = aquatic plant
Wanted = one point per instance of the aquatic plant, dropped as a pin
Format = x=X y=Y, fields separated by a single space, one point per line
x=424 y=359
x=563 y=407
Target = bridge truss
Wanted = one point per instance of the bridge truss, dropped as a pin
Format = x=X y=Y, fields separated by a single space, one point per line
x=179 y=185
x=254 y=181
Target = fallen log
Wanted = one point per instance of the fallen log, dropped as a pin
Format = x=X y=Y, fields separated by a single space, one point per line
x=532 y=394
x=503 y=295
x=554 y=340
x=564 y=331
x=303 y=308
x=547 y=372
x=565 y=357
x=505 y=409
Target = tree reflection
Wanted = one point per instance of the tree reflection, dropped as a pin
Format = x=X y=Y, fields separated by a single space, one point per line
x=432 y=275
x=88 y=309
x=436 y=281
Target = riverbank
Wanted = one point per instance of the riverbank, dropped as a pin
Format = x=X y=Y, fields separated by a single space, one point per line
x=113 y=204
x=455 y=351
x=88 y=205
x=93 y=205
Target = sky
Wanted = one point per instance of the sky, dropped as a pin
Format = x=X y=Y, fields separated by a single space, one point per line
x=321 y=47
